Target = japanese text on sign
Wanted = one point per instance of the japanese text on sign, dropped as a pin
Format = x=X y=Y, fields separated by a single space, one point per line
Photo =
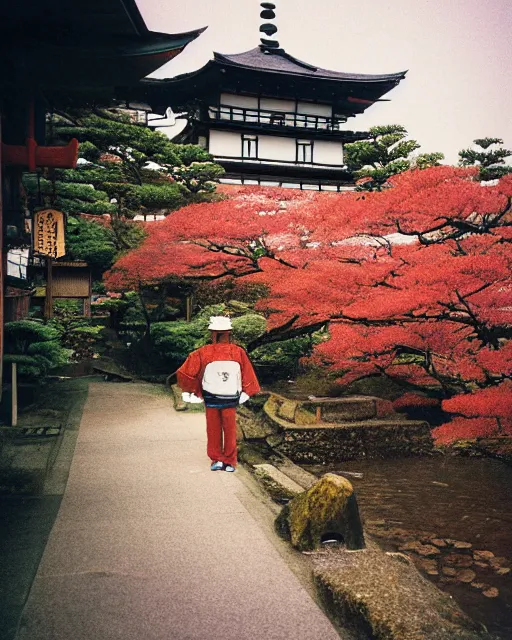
x=49 y=233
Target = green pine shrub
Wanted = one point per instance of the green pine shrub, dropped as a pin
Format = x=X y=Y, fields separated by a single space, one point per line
x=35 y=347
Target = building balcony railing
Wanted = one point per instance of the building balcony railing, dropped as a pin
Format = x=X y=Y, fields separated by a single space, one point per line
x=275 y=118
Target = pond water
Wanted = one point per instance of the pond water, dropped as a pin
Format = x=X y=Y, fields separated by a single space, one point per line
x=464 y=500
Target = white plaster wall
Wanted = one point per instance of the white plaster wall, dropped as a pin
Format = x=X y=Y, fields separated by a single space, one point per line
x=17 y=261
x=225 y=143
x=229 y=144
x=234 y=100
x=273 y=104
x=327 y=152
x=315 y=109
x=276 y=148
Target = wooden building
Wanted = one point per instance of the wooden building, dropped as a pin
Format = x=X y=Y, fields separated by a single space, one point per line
x=17 y=300
x=269 y=118
x=70 y=280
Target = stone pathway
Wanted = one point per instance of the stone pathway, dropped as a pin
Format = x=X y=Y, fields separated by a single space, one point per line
x=149 y=544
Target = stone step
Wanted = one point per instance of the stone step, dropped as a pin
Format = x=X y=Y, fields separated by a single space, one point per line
x=277 y=484
x=375 y=423
x=305 y=479
x=340 y=409
x=327 y=410
x=317 y=410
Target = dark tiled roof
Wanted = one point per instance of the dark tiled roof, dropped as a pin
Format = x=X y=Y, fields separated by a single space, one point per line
x=283 y=62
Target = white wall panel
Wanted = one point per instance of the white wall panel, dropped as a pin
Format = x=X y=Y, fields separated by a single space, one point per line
x=225 y=143
x=273 y=104
x=234 y=100
x=276 y=148
x=315 y=109
x=327 y=152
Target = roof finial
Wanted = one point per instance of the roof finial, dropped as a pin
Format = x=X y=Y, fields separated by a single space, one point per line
x=268 y=28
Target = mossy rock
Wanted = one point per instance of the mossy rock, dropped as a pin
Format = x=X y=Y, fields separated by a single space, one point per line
x=179 y=405
x=253 y=425
x=255 y=403
x=305 y=416
x=329 y=507
x=286 y=410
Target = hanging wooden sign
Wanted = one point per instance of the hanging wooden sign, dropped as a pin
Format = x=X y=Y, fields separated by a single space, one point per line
x=49 y=233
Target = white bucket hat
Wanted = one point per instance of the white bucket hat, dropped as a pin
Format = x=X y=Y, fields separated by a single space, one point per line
x=220 y=323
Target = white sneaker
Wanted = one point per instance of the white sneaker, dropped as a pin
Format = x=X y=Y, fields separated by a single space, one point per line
x=228 y=467
x=217 y=466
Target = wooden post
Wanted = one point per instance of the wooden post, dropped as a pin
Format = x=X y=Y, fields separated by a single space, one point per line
x=48 y=301
x=1 y=270
x=14 y=394
x=188 y=308
x=87 y=302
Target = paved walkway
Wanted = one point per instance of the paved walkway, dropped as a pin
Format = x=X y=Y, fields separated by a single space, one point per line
x=149 y=544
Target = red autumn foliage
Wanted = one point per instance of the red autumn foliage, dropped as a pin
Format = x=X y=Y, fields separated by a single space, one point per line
x=414 y=282
x=414 y=401
x=484 y=412
x=464 y=429
x=491 y=402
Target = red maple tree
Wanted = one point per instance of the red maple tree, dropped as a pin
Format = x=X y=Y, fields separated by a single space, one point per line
x=414 y=282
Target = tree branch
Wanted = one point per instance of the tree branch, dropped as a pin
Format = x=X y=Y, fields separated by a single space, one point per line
x=285 y=332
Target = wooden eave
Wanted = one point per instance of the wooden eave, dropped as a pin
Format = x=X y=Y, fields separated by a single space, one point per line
x=107 y=63
x=52 y=46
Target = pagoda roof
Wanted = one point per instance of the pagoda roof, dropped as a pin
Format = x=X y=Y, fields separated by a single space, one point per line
x=274 y=72
x=282 y=62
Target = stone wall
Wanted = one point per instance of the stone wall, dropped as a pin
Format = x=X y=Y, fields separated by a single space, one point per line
x=332 y=430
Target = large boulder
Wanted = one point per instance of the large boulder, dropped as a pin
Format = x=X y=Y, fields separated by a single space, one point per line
x=326 y=511
x=385 y=597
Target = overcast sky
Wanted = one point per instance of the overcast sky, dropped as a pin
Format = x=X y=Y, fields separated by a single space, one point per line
x=457 y=52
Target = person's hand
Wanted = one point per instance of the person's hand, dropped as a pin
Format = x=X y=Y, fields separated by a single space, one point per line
x=243 y=397
x=191 y=398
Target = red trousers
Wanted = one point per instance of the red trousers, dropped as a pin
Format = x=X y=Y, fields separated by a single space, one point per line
x=221 y=435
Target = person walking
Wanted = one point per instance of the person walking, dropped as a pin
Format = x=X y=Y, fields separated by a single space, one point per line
x=221 y=375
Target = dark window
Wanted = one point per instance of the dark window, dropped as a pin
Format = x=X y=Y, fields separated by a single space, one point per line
x=249 y=146
x=304 y=151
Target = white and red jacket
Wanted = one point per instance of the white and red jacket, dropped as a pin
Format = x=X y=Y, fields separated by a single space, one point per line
x=218 y=372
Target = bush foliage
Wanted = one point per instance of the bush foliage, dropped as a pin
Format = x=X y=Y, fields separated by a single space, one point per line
x=34 y=346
